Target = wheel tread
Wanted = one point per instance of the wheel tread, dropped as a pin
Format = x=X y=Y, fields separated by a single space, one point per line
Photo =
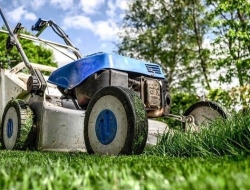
x=137 y=132
x=25 y=134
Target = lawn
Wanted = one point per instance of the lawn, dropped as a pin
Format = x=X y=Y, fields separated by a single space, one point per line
x=43 y=170
x=217 y=158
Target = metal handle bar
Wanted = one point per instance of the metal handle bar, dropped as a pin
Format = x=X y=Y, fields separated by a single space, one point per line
x=15 y=41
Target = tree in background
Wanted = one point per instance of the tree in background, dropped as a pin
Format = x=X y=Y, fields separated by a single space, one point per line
x=35 y=53
x=171 y=34
x=231 y=28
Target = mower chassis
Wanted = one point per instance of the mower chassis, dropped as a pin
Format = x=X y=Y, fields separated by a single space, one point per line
x=57 y=128
x=61 y=129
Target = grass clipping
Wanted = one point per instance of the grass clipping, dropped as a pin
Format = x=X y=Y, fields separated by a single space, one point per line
x=229 y=137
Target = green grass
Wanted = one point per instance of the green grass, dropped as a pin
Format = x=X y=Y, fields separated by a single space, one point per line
x=221 y=138
x=216 y=158
x=43 y=170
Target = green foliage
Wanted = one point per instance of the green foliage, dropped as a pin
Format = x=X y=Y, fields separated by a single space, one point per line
x=182 y=101
x=175 y=35
x=233 y=99
x=222 y=97
x=171 y=34
x=229 y=137
x=230 y=23
x=35 y=53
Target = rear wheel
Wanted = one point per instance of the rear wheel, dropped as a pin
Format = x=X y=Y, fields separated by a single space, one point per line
x=115 y=122
x=17 y=126
x=202 y=113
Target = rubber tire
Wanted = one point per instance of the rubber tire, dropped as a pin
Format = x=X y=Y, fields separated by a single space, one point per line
x=132 y=123
x=23 y=131
x=199 y=109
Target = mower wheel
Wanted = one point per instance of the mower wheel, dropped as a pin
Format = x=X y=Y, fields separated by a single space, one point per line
x=115 y=122
x=203 y=113
x=17 y=126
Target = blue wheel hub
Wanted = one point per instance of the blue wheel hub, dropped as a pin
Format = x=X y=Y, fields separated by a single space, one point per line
x=10 y=127
x=106 y=126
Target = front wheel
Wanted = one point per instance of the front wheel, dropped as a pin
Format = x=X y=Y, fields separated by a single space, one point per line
x=202 y=113
x=115 y=122
x=17 y=126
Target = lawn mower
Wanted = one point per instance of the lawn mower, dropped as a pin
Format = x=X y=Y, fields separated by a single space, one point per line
x=102 y=103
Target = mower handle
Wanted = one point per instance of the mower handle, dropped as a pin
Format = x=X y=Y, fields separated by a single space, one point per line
x=14 y=41
x=42 y=24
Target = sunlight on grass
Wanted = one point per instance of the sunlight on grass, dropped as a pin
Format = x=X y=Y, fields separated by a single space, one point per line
x=216 y=158
x=43 y=170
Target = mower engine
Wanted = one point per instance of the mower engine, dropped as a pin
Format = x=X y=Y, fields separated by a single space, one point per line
x=153 y=92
